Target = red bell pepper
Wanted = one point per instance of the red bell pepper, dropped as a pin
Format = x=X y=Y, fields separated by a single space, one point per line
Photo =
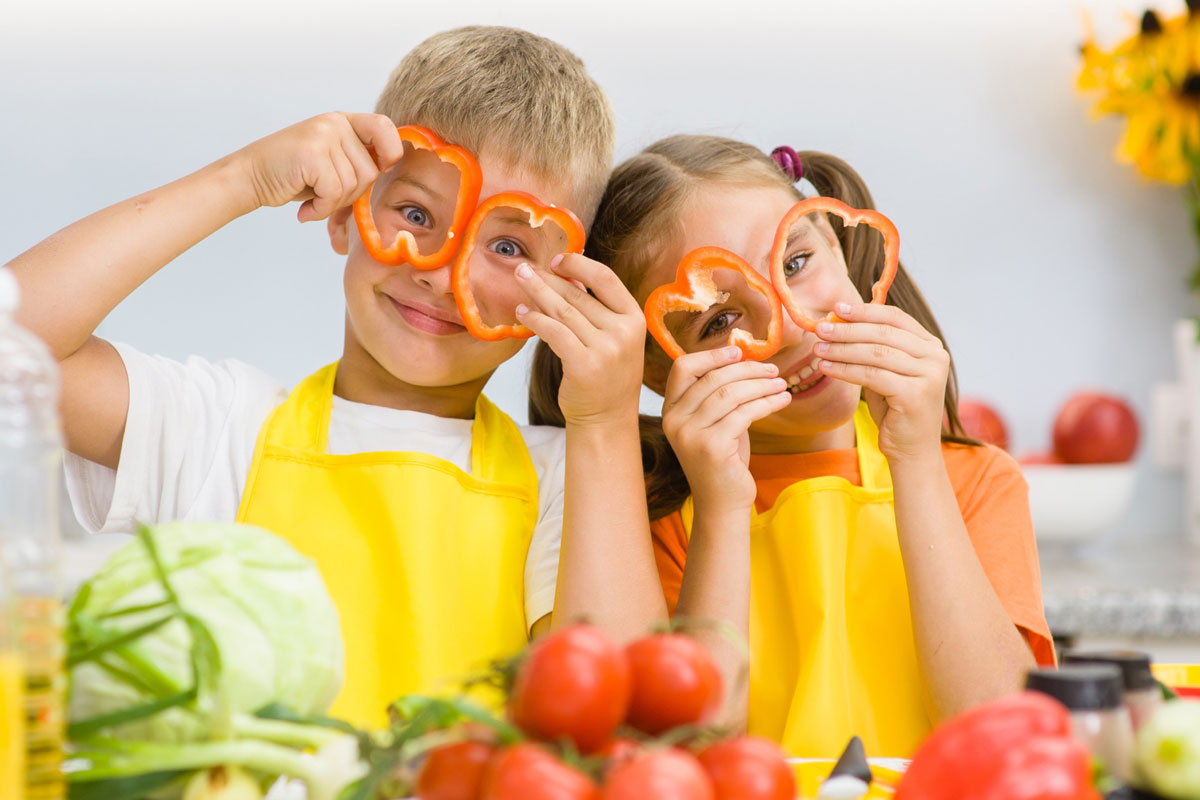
x=460 y=274
x=1017 y=748
x=695 y=290
x=851 y=216
x=403 y=250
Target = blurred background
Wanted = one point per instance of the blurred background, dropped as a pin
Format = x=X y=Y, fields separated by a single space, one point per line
x=1050 y=267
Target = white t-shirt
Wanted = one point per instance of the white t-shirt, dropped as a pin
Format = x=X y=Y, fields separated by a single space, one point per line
x=190 y=435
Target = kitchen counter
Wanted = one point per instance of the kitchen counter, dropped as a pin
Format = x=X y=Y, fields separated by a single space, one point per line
x=1149 y=588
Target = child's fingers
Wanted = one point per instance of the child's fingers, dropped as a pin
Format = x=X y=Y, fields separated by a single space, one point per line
x=722 y=402
x=330 y=184
x=739 y=420
x=365 y=171
x=873 y=354
x=571 y=292
x=551 y=303
x=881 y=381
x=378 y=132
x=717 y=381
x=603 y=282
x=884 y=315
x=559 y=337
x=688 y=368
x=878 y=333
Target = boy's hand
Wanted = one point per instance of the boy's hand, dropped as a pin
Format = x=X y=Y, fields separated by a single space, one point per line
x=712 y=398
x=600 y=337
x=324 y=161
x=901 y=365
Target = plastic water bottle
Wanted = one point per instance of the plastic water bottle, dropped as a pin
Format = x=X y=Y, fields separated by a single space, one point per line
x=30 y=547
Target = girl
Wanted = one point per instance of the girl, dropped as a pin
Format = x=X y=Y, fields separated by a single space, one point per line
x=882 y=567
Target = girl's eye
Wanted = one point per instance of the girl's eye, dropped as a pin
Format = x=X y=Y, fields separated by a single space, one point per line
x=507 y=248
x=794 y=264
x=415 y=216
x=718 y=324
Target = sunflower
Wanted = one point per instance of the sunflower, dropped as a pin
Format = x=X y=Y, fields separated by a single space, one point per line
x=1153 y=80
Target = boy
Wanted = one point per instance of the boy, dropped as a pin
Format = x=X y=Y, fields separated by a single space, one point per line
x=435 y=520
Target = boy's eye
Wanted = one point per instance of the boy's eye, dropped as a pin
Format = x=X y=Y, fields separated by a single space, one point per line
x=507 y=248
x=415 y=216
x=794 y=264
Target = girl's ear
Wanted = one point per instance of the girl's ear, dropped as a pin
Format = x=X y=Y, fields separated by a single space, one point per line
x=338 y=226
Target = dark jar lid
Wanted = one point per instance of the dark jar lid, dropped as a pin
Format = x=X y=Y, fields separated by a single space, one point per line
x=1082 y=687
x=1134 y=666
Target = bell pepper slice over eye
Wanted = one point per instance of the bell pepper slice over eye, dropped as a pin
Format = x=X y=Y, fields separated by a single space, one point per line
x=851 y=216
x=403 y=250
x=696 y=290
x=460 y=274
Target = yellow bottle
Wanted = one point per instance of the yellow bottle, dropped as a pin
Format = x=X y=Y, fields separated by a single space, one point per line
x=12 y=718
x=30 y=467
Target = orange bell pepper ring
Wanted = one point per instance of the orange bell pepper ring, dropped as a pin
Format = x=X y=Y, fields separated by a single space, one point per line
x=851 y=216
x=460 y=273
x=403 y=250
x=695 y=290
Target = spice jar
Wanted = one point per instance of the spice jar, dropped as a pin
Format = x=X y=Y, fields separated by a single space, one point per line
x=1093 y=693
x=1142 y=692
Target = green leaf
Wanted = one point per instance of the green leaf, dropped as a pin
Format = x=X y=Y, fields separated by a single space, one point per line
x=282 y=713
x=87 y=727
x=112 y=641
x=134 y=788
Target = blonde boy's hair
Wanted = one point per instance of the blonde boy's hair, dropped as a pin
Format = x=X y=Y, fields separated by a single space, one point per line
x=524 y=98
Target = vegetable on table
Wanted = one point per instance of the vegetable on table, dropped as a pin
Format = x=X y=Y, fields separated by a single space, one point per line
x=181 y=648
x=1019 y=747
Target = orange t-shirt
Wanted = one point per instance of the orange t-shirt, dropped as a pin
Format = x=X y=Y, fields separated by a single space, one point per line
x=992 y=496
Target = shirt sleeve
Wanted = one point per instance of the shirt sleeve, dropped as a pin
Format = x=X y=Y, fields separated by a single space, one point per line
x=188 y=442
x=670 y=556
x=547 y=448
x=995 y=509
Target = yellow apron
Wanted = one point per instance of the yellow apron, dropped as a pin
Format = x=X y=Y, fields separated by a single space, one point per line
x=832 y=653
x=425 y=563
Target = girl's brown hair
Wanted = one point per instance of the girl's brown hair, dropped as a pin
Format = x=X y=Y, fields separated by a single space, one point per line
x=638 y=218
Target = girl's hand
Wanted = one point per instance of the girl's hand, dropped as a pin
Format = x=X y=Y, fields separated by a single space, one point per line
x=600 y=337
x=712 y=397
x=903 y=368
x=323 y=161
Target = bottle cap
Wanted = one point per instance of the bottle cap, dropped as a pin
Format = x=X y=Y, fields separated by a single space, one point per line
x=1082 y=687
x=1134 y=666
x=10 y=292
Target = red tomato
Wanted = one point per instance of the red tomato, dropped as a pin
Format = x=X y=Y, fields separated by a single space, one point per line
x=749 y=768
x=1094 y=428
x=661 y=775
x=573 y=683
x=528 y=772
x=617 y=752
x=454 y=771
x=981 y=421
x=675 y=682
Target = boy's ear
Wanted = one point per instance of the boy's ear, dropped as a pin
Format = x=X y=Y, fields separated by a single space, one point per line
x=338 y=226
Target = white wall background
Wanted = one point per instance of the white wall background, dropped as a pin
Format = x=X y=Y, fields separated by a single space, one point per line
x=1050 y=267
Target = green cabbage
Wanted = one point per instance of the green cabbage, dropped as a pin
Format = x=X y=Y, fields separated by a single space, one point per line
x=275 y=630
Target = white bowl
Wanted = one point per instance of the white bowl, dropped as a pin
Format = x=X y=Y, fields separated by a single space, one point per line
x=1076 y=501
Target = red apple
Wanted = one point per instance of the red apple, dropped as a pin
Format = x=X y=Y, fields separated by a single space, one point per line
x=1095 y=428
x=981 y=421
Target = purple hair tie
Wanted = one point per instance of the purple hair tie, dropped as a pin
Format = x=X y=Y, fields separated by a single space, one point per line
x=789 y=162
